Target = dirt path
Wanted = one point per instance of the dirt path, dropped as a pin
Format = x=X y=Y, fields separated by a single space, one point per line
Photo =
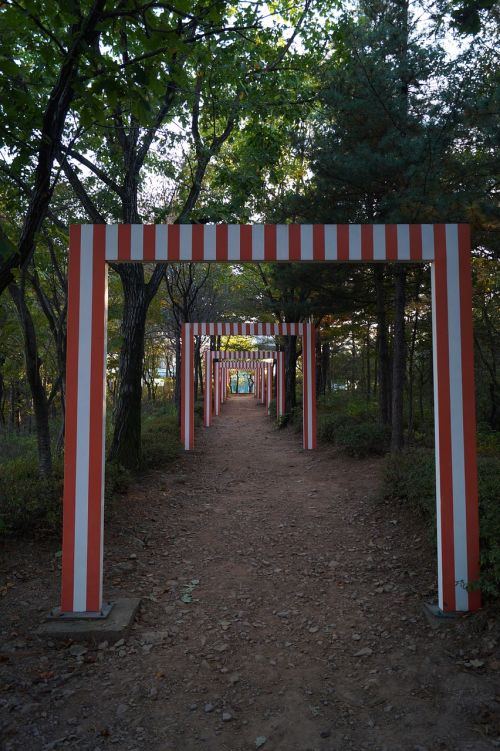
x=304 y=631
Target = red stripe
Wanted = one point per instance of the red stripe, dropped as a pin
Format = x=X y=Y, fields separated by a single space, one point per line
x=319 y=242
x=367 y=242
x=294 y=242
x=305 y=389
x=444 y=418
x=416 y=242
x=149 y=242
x=124 y=242
x=245 y=242
x=469 y=412
x=191 y=387
x=73 y=326
x=391 y=242
x=183 y=367
x=221 y=240
x=97 y=393
x=269 y=242
x=198 y=235
x=312 y=388
x=343 y=242
x=174 y=242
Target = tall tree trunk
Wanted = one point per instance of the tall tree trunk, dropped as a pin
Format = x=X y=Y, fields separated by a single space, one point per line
x=39 y=396
x=290 y=373
x=382 y=348
x=399 y=360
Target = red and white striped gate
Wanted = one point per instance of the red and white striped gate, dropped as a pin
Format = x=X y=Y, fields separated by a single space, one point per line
x=446 y=247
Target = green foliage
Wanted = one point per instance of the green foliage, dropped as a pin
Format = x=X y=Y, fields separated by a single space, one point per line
x=351 y=424
x=29 y=502
x=410 y=478
x=160 y=438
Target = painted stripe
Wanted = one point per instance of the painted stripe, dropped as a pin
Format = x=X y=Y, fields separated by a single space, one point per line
x=233 y=253
x=210 y=242
x=174 y=242
x=306 y=240
x=295 y=246
x=403 y=235
x=71 y=424
x=270 y=242
x=282 y=250
x=149 y=242
x=367 y=242
x=469 y=412
x=442 y=409
x=457 y=417
x=245 y=242
x=258 y=242
x=331 y=251
x=111 y=242
x=343 y=242
x=161 y=245
x=124 y=231
x=355 y=242
x=197 y=241
x=83 y=421
x=379 y=242
x=97 y=422
x=391 y=242
x=428 y=252
x=415 y=242
x=136 y=244
x=186 y=242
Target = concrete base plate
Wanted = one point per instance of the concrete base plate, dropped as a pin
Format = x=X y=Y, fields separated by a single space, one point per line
x=437 y=617
x=110 y=628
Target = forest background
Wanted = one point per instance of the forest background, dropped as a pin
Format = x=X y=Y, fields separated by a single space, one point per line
x=240 y=112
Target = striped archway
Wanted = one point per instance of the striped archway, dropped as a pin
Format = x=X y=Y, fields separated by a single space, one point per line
x=445 y=247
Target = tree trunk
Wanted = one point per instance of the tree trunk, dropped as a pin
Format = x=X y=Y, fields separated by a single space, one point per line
x=39 y=396
x=126 y=444
x=382 y=348
x=399 y=360
x=290 y=373
x=197 y=368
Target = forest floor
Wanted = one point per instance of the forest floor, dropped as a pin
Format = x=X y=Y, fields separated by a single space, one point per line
x=301 y=626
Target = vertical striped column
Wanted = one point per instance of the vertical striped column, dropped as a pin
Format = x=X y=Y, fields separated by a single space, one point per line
x=454 y=419
x=83 y=503
x=309 y=385
x=207 y=411
x=262 y=384
x=280 y=387
x=217 y=389
x=257 y=381
x=187 y=387
x=269 y=379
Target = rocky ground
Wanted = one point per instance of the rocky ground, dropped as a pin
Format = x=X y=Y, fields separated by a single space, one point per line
x=281 y=609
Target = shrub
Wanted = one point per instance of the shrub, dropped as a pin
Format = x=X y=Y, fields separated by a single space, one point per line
x=160 y=440
x=27 y=500
x=354 y=433
x=410 y=477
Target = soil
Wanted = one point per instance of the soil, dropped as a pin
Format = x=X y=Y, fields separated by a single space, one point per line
x=281 y=609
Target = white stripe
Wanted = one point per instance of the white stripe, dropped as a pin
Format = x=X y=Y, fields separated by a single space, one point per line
x=161 y=242
x=83 y=421
x=257 y=242
x=111 y=242
x=309 y=383
x=379 y=252
x=209 y=242
x=331 y=242
x=186 y=242
x=282 y=250
x=187 y=395
x=354 y=242
x=259 y=329
x=436 y=440
x=428 y=252
x=136 y=233
x=211 y=329
x=306 y=242
x=233 y=242
x=457 y=417
x=403 y=235
x=103 y=457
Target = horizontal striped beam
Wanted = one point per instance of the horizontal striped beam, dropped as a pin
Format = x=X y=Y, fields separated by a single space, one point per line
x=237 y=365
x=247 y=329
x=246 y=354
x=266 y=242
